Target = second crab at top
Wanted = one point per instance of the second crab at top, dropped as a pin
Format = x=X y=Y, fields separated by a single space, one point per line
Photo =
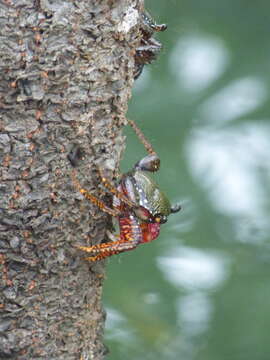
x=149 y=47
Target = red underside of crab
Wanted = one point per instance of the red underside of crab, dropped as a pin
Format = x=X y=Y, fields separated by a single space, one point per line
x=150 y=231
x=133 y=229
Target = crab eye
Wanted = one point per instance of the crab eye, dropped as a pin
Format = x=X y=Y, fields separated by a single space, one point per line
x=175 y=208
x=143 y=214
x=160 y=219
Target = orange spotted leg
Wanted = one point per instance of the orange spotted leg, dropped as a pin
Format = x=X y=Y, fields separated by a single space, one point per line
x=151 y=162
x=93 y=199
x=108 y=249
x=142 y=138
x=112 y=189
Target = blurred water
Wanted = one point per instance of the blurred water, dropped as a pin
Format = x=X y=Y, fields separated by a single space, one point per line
x=190 y=59
x=202 y=290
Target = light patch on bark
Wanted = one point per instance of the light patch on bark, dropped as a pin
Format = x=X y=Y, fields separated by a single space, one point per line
x=130 y=19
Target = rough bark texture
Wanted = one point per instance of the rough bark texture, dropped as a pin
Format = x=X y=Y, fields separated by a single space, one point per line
x=66 y=70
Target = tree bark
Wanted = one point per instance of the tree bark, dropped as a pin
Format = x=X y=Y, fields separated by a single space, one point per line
x=66 y=71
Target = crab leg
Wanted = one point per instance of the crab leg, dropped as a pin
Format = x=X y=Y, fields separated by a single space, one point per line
x=129 y=238
x=92 y=198
x=116 y=192
x=108 y=249
x=142 y=138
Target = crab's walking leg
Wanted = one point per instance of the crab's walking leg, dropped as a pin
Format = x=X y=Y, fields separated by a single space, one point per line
x=112 y=189
x=130 y=237
x=141 y=136
x=150 y=162
x=108 y=249
x=92 y=198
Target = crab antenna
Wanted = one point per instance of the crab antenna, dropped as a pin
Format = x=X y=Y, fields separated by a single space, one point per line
x=141 y=136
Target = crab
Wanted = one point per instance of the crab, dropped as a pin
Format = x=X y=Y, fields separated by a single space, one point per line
x=138 y=204
x=149 y=47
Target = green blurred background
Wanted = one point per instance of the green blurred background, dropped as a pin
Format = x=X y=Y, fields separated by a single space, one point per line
x=201 y=291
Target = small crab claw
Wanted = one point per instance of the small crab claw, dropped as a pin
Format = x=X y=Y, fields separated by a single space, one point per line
x=176 y=208
x=149 y=163
x=161 y=27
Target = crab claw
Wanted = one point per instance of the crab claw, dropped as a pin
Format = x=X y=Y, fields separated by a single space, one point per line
x=148 y=163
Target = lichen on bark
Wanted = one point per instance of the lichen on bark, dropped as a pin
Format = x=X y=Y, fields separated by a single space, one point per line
x=66 y=72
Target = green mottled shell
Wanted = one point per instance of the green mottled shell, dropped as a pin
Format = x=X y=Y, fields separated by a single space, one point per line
x=149 y=195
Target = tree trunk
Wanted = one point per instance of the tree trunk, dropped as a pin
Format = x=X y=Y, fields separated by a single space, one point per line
x=66 y=71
